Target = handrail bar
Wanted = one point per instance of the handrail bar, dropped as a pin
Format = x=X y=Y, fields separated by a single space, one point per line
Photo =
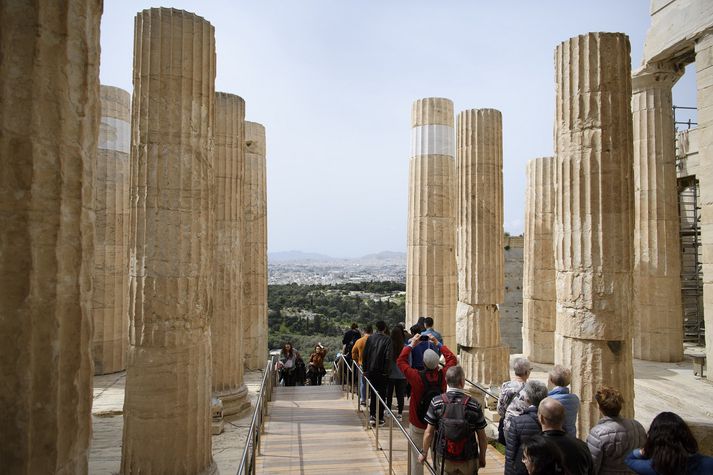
x=480 y=388
x=252 y=440
x=342 y=363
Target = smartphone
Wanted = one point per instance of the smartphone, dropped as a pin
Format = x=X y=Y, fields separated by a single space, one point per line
x=424 y=338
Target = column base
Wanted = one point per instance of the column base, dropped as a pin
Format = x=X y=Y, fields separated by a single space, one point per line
x=595 y=363
x=235 y=401
x=486 y=366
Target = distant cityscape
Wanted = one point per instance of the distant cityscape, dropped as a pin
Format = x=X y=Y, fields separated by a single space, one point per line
x=308 y=268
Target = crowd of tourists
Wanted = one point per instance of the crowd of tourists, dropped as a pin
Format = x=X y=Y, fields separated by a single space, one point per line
x=537 y=426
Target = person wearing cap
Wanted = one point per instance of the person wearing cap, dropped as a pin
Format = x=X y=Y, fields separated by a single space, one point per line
x=431 y=373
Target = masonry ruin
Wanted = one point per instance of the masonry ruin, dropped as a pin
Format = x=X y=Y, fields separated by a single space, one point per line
x=134 y=231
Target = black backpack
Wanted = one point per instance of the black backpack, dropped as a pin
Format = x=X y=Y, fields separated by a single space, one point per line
x=430 y=390
x=455 y=440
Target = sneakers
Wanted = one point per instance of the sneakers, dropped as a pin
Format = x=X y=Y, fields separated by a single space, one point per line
x=363 y=403
x=382 y=423
x=398 y=417
x=372 y=421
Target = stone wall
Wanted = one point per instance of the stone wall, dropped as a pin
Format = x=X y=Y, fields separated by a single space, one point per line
x=511 y=308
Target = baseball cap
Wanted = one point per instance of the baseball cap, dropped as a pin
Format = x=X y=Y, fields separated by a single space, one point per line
x=430 y=359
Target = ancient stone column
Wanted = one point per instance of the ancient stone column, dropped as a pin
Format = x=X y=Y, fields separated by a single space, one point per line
x=255 y=249
x=167 y=421
x=110 y=303
x=704 y=79
x=226 y=325
x=431 y=266
x=594 y=217
x=479 y=245
x=657 y=311
x=538 y=284
x=49 y=121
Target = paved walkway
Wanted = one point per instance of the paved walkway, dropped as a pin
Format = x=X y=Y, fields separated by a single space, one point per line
x=316 y=430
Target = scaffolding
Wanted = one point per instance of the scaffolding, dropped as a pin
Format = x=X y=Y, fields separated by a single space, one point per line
x=690 y=236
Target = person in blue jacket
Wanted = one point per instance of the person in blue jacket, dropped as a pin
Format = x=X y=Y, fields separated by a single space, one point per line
x=670 y=449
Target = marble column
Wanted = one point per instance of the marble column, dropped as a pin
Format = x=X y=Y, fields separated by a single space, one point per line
x=167 y=420
x=657 y=311
x=539 y=296
x=255 y=249
x=49 y=121
x=431 y=266
x=228 y=238
x=704 y=85
x=594 y=218
x=110 y=304
x=479 y=245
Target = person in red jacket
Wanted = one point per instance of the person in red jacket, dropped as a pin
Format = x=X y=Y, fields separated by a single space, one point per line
x=431 y=373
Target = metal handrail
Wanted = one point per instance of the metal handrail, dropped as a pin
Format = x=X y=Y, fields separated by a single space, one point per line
x=252 y=441
x=480 y=388
x=412 y=446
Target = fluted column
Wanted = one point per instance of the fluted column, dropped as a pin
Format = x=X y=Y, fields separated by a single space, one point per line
x=226 y=324
x=538 y=284
x=167 y=421
x=479 y=245
x=255 y=249
x=704 y=79
x=49 y=120
x=110 y=304
x=431 y=267
x=657 y=311
x=594 y=217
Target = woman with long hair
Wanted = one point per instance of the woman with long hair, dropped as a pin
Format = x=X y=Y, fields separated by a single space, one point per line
x=670 y=449
x=397 y=380
x=542 y=457
x=316 y=369
x=288 y=363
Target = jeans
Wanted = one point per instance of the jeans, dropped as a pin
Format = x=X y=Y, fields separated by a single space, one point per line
x=362 y=389
x=379 y=381
x=398 y=385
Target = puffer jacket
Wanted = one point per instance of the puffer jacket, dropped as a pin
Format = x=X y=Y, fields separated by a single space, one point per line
x=611 y=440
x=571 y=408
x=521 y=427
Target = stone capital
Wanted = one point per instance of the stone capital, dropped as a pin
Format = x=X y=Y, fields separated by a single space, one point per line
x=655 y=75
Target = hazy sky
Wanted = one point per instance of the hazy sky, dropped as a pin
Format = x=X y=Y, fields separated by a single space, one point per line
x=333 y=82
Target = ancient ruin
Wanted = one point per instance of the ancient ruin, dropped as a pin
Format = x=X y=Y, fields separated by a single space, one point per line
x=480 y=258
x=110 y=303
x=168 y=383
x=658 y=316
x=539 y=297
x=254 y=255
x=49 y=55
x=594 y=217
x=431 y=267
x=228 y=239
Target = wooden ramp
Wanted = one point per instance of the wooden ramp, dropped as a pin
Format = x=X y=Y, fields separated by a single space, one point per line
x=316 y=430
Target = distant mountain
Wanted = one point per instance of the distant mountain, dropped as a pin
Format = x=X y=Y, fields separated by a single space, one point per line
x=385 y=256
x=285 y=256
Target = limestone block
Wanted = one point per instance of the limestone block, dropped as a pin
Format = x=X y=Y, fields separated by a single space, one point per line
x=255 y=250
x=478 y=363
x=110 y=303
x=658 y=315
x=167 y=419
x=538 y=283
x=228 y=239
x=431 y=267
x=511 y=308
x=594 y=214
x=49 y=121
x=479 y=243
x=704 y=77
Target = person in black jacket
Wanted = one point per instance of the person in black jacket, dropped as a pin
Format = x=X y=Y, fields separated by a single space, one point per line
x=523 y=426
x=577 y=458
x=377 y=366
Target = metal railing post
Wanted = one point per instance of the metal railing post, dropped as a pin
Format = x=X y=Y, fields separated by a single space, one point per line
x=377 y=420
x=368 y=404
x=391 y=441
x=351 y=389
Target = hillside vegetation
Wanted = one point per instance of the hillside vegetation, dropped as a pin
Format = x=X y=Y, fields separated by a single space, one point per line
x=307 y=314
